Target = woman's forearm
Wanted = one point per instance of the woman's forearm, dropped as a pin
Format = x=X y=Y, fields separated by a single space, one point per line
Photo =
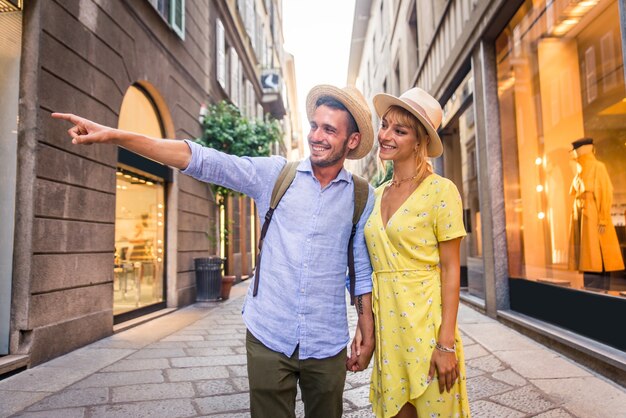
x=449 y=252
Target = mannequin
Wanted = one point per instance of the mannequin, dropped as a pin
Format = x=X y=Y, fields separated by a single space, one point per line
x=593 y=242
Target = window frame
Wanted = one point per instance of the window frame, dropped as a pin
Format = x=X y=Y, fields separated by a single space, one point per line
x=168 y=14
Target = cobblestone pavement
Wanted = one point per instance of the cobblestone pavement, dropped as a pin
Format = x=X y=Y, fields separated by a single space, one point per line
x=191 y=363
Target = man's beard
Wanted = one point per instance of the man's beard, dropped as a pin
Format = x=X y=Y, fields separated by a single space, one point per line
x=332 y=158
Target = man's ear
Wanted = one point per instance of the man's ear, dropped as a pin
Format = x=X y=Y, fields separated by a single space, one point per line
x=354 y=140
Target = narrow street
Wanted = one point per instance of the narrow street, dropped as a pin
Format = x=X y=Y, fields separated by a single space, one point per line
x=192 y=363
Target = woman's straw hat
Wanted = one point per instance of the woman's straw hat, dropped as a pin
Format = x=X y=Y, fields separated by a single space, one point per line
x=356 y=104
x=421 y=105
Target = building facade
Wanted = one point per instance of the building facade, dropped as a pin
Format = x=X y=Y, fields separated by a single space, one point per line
x=519 y=82
x=95 y=236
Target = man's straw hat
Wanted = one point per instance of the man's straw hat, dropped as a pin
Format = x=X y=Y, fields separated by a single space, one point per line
x=354 y=101
x=421 y=105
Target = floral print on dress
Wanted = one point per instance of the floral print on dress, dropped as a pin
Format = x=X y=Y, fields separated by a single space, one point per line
x=407 y=300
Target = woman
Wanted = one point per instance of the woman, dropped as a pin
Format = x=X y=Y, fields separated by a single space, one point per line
x=413 y=237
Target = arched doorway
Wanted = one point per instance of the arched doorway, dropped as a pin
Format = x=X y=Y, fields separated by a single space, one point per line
x=140 y=217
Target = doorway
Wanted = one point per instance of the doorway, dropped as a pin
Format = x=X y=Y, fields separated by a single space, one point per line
x=140 y=215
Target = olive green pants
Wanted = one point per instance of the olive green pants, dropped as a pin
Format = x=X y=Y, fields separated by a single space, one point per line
x=273 y=378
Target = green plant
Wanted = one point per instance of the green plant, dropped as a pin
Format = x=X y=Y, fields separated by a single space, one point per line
x=226 y=130
x=380 y=179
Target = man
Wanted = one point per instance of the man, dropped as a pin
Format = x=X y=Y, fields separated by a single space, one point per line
x=297 y=325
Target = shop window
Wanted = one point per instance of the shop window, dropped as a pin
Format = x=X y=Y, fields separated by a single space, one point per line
x=139 y=240
x=139 y=279
x=173 y=12
x=459 y=165
x=561 y=78
x=10 y=54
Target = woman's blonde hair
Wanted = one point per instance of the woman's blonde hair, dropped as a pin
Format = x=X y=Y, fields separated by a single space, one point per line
x=404 y=117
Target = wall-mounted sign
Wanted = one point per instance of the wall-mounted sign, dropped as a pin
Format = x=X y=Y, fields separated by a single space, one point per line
x=270 y=81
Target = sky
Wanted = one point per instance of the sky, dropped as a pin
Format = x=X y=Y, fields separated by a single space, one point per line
x=317 y=33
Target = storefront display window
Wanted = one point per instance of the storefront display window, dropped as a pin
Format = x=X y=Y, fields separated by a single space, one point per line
x=139 y=279
x=562 y=105
x=139 y=241
x=459 y=133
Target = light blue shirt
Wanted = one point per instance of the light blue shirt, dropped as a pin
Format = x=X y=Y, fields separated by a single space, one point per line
x=302 y=293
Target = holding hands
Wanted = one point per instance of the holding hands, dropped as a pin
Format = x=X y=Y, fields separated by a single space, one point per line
x=361 y=352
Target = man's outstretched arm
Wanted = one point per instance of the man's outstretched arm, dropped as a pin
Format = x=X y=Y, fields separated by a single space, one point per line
x=167 y=151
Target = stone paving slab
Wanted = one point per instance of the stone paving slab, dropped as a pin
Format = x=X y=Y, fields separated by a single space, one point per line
x=152 y=391
x=223 y=403
x=43 y=379
x=173 y=408
x=89 y=358
x=483 y=408
x=527 y=399
x=586 y=396
x=510 y=377
x=197 y=373
x=555 y=413
x=158 y=353
x=114 y=379
x=138 y=364
x=57 y=413
x=544 y=364
x=14 y=401
x=494 y=336
x=73 y=397
x=192 y=363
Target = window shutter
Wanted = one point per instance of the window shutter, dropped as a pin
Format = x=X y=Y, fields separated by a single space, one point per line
x=220 y=47
x=234 y=77
x=177 y=17
x=249 y=19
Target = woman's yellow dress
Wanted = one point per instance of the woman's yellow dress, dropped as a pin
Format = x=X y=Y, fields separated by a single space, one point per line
x=407 y=300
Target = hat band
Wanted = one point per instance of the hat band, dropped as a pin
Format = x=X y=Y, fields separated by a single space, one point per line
x=419 y=110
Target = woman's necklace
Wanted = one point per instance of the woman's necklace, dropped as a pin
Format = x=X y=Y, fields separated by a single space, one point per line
x=397 y=183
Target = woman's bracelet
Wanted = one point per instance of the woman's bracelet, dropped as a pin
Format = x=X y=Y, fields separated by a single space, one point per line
x=446 y=349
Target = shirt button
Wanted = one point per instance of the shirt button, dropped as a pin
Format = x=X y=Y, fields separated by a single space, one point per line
x=302 y=290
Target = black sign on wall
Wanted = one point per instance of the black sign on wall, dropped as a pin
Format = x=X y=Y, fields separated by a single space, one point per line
x=270 y=81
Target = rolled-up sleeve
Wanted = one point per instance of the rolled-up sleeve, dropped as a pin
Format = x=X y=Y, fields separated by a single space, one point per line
x=247 y=175
x=362 y=265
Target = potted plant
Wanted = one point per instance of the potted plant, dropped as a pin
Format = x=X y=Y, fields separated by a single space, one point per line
x=227 y=284
x=226 y=130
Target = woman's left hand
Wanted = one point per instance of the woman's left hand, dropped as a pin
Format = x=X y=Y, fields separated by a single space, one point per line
x=447 y=368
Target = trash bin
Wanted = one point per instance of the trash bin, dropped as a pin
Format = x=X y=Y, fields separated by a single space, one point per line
x=208 y=278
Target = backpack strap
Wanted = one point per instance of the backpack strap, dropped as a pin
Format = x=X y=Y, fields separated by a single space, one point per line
x=284 y=180
x=361 y=193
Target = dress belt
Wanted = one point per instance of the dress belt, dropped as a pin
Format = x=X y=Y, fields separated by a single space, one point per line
x=432 y=268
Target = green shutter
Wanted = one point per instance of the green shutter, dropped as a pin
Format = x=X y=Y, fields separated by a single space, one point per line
x=177 y=17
